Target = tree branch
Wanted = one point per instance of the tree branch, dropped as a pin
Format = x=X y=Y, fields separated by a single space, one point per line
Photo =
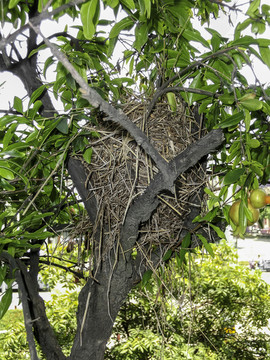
x=66 y=268
x=183 y=72
x=81 y=182
x=24 y=298
x=144 y=205
x=37 y=20
x=42 y=329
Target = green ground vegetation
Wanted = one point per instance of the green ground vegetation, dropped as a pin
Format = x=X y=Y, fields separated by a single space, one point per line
x=203 y=307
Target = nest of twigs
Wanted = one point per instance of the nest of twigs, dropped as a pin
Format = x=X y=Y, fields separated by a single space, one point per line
x=120 y=170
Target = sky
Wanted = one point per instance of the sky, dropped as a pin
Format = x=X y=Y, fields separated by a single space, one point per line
x=12 y=85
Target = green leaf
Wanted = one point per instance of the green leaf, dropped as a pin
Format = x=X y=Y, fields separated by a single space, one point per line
x=172 y=101
x=253 y=143
x=38 y=235
x=247 y=120
x=231 y=120
x=131 y=66
x=147 y=4
x=233 y=176
x=265 y=54
x=112 y=43
x=121 y=80
x=11 y=250
x=7 y=186
x=33 y=218
x=209 y=216
x=242 y=218
x=167 y=255
x=254 y=6
x=252 y=104
x=8 y=135
x=218 y=231
x=145 y=9
x=112 y=4
x=124 y=24
x=146 y=277
x=141 y=36
x=62 y=126
x=87 y=155
x=5 y=241
x=36 y=94
x=210 y=193
x=194 y=35
x=258 y=27
x=32 y=136
x=184 y=247
x=3 y=271
x=215 y=42
x=206 y=244
x=18 y=104
x=34 y=110
x=241 y=26
x=244 y=41
x=49 y=61
x=129 y=4
x=90 y=16
x=41 y=47
x=5 y=302
x=13 y=3
x=196 y=84
x=227 y=99
x=6 y=174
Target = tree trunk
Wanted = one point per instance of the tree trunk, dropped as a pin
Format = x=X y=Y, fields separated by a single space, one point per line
x=99 y=304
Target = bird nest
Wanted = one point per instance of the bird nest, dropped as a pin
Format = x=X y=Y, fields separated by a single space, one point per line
x=120 y=170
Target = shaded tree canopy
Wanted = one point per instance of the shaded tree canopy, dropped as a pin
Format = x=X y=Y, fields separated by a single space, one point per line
x=134 y=168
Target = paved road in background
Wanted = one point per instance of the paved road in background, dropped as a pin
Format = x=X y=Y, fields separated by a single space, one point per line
x=253 y=249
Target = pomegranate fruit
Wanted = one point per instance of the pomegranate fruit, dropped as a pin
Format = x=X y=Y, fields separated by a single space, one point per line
x=234 y=213
x=259 y=199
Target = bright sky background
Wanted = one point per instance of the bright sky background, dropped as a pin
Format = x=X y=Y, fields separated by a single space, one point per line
x=12 y=85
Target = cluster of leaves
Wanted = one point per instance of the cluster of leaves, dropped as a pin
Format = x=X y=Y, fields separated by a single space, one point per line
x=214 y=309
x=218 y=306
x=14 y=341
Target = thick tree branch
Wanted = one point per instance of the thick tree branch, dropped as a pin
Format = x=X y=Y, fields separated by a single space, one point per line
x=142 y=208
x=34 y=312
x=24 y=298
x=42 y=329
x=82 y=184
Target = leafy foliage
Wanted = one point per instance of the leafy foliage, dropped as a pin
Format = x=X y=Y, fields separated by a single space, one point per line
x=215 y=309
x=210 y=308
x=14 y=340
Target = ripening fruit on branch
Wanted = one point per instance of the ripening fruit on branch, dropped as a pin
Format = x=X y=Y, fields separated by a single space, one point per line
x=234 y=213
x=259 y=199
